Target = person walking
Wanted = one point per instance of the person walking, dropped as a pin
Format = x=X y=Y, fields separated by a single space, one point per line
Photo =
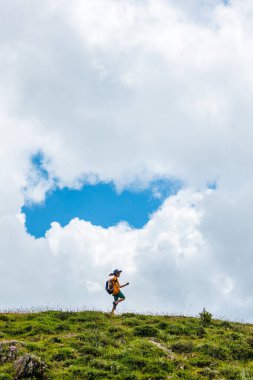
x=117 y=293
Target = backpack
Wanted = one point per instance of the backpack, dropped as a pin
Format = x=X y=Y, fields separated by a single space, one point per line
x=109 y=286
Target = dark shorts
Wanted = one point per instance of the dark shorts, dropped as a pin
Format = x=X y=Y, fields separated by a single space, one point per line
x=118 y=295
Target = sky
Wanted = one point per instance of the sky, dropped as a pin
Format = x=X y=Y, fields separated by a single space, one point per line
x=126 y=142
x=99 y=204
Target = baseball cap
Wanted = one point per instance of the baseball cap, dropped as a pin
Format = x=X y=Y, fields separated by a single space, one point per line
x=116 y=271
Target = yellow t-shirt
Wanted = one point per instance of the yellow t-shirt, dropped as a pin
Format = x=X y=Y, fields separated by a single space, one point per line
x=116 y=286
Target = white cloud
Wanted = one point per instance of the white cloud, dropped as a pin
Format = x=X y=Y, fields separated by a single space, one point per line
x=126 y=91
x=174 y=264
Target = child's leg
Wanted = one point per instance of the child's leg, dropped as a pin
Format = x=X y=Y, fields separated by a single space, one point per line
x=114 y=303
x=121 y=298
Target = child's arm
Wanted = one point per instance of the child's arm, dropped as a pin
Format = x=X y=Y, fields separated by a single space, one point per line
x=122 y=286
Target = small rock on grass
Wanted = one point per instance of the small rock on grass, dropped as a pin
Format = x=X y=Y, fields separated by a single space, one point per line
x=29 y=366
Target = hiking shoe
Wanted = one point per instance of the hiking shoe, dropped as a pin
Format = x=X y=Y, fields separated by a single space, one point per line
x=114 y=305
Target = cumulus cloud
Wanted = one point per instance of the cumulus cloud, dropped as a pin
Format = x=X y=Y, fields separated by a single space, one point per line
x=122 y=91
x=73 y=262
x=144 y=84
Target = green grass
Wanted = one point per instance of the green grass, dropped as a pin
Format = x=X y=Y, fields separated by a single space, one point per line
x=95 y=345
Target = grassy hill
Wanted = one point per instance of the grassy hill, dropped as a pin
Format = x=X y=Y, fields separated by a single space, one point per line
x=95 y=345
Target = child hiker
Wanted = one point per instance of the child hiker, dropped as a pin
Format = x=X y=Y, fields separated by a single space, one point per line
x=117 y=293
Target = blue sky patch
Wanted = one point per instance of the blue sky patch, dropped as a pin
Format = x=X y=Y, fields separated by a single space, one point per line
x=37 y=161
x=212 y=185
x=99 y=204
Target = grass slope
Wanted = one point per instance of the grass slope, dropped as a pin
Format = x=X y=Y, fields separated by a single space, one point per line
x=95 y=345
